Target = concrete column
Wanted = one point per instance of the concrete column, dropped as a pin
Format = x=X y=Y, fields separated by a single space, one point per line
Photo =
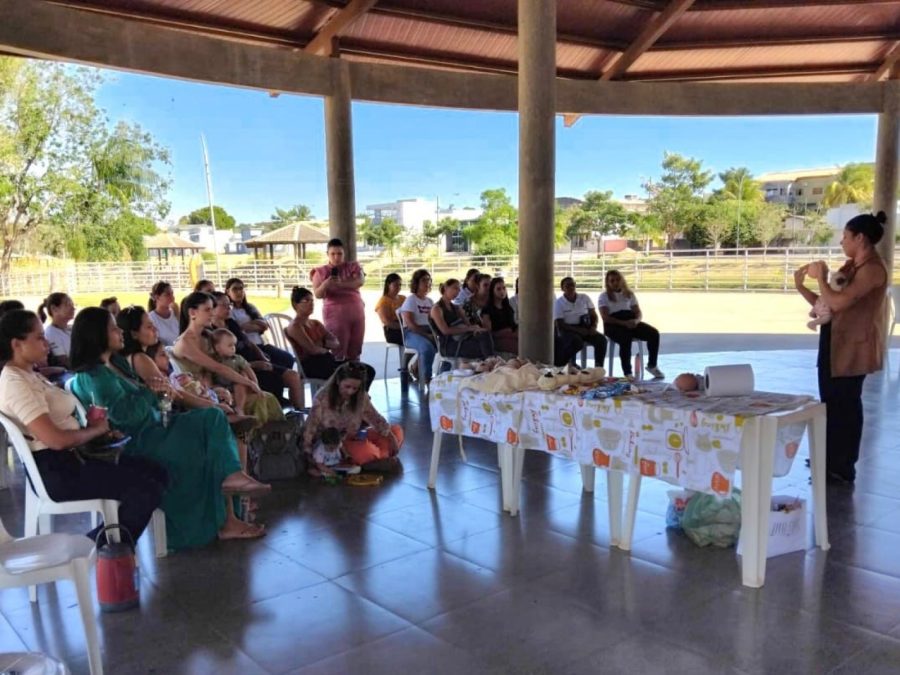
x=887 y=175
x=339 y=159
x=537 y=176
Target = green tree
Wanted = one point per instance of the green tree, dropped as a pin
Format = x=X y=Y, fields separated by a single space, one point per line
x=645 y=228
x=768 y=223
x=67 y=179
x=496 y=232
x=224 y=220
x=719 y=222
x=855 y=184
x=739 y=184
x=597 y=216
x=387 y=233
x=677 y=198
x=282 y=217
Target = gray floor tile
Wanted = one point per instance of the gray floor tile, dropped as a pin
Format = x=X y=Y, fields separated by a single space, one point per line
x=422 y=585
x=881 y=658
x=439 y=520
x=297 y=629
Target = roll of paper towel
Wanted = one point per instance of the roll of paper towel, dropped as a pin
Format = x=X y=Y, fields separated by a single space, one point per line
x=736 y=380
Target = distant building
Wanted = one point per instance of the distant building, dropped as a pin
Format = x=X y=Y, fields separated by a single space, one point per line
x=800 y=189
x=409 y=213
x=222 y=241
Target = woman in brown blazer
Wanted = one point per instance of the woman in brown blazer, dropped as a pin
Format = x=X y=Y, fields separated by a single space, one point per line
x=852 y=345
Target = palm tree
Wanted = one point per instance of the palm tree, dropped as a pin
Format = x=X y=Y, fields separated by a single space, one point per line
x=855 y=184
x=738 y=184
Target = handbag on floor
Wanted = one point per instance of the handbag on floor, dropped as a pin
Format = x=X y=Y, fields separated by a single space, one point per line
x=275 y=451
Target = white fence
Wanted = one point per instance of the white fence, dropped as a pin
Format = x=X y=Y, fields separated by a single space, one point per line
x=747 y=269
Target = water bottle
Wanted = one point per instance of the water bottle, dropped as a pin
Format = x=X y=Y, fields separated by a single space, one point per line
x=638 y=367
x=165 y=408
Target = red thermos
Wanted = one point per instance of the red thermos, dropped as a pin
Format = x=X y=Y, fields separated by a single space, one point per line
x=118 y=579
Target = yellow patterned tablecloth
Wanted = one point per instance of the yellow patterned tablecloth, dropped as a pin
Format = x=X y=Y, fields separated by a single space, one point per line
x=690 y=441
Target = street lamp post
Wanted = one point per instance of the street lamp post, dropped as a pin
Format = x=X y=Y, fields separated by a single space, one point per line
x=737 y=232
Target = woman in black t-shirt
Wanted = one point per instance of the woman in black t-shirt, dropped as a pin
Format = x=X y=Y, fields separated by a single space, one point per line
x=499 y=318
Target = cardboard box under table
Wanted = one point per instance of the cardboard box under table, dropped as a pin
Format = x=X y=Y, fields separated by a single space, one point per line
x=694 y=442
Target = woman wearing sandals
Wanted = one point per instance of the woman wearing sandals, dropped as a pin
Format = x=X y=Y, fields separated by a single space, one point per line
x=344 y=405
x=197 y=447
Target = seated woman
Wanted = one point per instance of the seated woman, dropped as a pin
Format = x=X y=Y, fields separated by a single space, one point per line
x=46 y=415
x=194 y=352
x=205 y=286
x=164 y=312
x=139 y=336
x=499 y=318
x=415 y=311
x=250 y=321
x=271 y=377
x=197 y=447
x=477 y=301
x=458 y=336
x=344 y=405
x=60 y=309
x=622 y=323
x=386 y=308
x=314 y=344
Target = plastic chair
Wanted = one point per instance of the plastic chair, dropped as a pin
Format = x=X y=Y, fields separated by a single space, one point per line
x=52 y=557
x=611 y=356
x=277 y=324
x=894 y=292
x=4 y=459
x=403 y=350
x=39 y=506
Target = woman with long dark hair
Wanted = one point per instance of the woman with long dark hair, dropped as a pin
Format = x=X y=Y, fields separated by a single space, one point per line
x=271 y=377
x=498 y=317
x=252 y=324
x=196 y=447
x=45 y=414
x=852 y=344
x=458 y=336
x=60 y=310
x=415 y=312
x=164 y=312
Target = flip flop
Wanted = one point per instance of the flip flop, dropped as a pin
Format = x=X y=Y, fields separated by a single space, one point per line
x=246 y=486
x=247 y=532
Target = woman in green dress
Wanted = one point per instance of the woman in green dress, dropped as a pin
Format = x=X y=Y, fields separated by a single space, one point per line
x=196 y=447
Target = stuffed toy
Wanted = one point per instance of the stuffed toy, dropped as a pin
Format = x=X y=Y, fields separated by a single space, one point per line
x=821 y=312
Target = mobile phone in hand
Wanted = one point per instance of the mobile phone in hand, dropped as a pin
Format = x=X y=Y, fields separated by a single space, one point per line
x=334 y=272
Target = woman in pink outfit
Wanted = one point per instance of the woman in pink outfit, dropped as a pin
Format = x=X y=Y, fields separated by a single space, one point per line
x=338 y=284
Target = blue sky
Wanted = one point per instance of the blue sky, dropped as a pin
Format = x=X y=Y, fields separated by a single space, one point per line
x=267 y=152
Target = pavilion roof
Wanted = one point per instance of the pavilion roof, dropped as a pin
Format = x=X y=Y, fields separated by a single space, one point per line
x=631 y=40
x=299 y=232
x=171 y=242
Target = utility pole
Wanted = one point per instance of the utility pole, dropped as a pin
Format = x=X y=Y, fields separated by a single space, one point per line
x=212 y=213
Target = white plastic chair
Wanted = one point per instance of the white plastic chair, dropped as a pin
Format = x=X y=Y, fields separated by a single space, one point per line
x=4 y=459
x=402 y=350
x=611 y=356
x=894 y=292
x=158 y=521
x=39 y=506
x=277 y=324
x=52 y=557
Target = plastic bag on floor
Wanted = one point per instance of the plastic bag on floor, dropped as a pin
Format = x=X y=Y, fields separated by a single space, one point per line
x=710 y=520
x=678 y=501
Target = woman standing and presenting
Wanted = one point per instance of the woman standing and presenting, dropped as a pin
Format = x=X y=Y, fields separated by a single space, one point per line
x=621 y=315
x=338 y=284
x=852 y=345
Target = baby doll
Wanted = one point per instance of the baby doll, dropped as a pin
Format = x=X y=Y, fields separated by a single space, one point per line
x=689 y=382
x=821 y=312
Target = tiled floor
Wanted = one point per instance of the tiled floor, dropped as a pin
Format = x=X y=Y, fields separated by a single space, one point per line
x=398 y=579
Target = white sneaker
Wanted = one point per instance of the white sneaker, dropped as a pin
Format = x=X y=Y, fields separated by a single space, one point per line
x=656 y=372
